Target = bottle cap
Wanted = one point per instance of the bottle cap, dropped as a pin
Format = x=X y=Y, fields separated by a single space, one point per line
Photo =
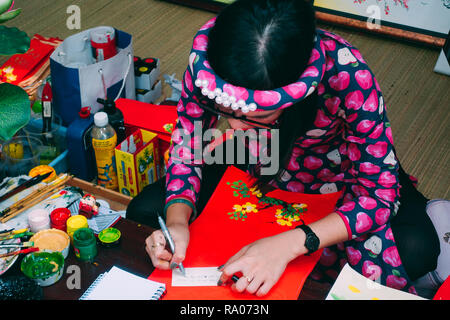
x=101 y=119
x=85 y=112
x=109 y=106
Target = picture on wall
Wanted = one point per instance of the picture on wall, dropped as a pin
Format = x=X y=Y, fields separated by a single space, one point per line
x=424 y=21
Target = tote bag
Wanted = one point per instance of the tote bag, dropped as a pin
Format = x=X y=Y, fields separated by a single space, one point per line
x=78 y=80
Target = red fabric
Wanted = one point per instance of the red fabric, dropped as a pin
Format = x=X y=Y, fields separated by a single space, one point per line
x=215 y=238
x=444 y=291
x=20 y=67
x=160 y=119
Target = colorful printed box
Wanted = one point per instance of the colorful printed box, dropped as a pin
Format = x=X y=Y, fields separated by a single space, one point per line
x=137 y=162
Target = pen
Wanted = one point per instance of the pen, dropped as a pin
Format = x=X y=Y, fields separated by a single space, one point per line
x=170 y=240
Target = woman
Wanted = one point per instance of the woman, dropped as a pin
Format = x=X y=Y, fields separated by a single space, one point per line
x=263 y=64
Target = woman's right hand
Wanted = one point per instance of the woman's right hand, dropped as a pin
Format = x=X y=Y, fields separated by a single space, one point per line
x=156 y=245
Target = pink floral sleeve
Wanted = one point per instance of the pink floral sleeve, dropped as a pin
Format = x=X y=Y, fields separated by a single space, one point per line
x=184 y=172
x=374 y=193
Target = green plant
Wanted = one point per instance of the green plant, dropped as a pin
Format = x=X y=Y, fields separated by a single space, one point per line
x=12 y=40
x=15 y=109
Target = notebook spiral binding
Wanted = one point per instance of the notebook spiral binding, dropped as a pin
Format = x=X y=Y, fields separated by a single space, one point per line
x=160 y=293
x=92 y=287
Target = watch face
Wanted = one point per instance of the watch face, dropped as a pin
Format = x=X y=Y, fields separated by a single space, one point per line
x=312 y=242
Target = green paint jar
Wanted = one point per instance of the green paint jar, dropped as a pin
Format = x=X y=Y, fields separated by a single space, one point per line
x=85 y=244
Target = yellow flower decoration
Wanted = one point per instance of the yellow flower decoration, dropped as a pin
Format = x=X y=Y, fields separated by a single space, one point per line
x=249 y=207
x=237 y=207
x=8 y=74
x=168 y=127
x=284 y=222
x=279 y=213
x=256 y=192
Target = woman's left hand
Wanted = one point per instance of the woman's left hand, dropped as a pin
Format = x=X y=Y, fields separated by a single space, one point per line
x=262 y=262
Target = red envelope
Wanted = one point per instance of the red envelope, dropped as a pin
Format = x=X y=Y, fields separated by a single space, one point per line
x=444 y=291
x=223 y=229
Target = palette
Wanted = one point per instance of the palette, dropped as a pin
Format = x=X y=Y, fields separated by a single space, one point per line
x=7 y=262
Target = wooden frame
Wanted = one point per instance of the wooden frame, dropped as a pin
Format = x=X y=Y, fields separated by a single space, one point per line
x=386 y=28
x=117 y=201
x=343 y=18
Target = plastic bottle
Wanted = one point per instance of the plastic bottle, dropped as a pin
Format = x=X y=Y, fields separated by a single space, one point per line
x=115 y=117
x=104 y=140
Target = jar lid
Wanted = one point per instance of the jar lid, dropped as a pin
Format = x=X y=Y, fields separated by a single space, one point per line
x=43 y=169
x=77 y=221
x=83 y=236
x=109 y=236
x=60 y=215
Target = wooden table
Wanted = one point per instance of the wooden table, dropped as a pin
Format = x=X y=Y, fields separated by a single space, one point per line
x=129 y=254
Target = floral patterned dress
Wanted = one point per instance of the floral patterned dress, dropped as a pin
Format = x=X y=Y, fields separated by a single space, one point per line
x=349 y=148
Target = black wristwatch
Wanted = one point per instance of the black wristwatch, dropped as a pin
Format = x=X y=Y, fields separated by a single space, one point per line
x=312 y=242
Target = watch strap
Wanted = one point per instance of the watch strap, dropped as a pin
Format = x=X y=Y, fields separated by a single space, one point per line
x=312 y=241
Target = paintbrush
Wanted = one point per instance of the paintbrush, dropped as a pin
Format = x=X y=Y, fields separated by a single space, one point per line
x=9 y=232
x=17 y=245
x=18 y=235
x=27 y=184
x=54 y=187
x=61 y=179
x=28 y=250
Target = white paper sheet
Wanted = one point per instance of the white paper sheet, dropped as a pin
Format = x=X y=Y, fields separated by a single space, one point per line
x=350 y=285
x=196 y=277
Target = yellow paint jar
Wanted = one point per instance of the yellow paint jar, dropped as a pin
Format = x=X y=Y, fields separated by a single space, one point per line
x=74 y=223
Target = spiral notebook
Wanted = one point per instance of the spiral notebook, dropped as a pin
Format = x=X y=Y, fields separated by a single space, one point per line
x=118 y=284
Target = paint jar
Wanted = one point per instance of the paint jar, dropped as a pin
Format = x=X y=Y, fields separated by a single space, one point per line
x=74 y=223
x=43 y=169
x=38 y=220
x=109 y=237
x=58 y=218
x=85 y=244
x=103 y=41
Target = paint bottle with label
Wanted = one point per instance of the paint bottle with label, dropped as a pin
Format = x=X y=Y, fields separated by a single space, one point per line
x=104 y=140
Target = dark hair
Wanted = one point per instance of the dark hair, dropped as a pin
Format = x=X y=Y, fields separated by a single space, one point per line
x=263 y=45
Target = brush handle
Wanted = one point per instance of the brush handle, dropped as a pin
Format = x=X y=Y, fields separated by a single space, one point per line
x=36 y=199
x=4 y=255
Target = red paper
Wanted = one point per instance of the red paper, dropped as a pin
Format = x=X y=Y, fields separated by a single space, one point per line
x=444 y=291
x=160 y=119
x=221 y=230
x=20 y=67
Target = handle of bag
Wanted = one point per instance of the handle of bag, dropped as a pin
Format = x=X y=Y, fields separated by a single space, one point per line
x=127 y=71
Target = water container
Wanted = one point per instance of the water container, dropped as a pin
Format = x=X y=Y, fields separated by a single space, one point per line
x=79 y=145
x=115 y=118
x=104 y=141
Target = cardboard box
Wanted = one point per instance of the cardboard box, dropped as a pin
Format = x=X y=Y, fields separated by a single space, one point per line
x=160 y=119
x=149 y=96
x=146 y=72
x=138 y=162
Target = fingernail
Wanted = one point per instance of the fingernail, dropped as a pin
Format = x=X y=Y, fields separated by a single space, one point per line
x=173 y=265
x=220 y=267
x=219 y=283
